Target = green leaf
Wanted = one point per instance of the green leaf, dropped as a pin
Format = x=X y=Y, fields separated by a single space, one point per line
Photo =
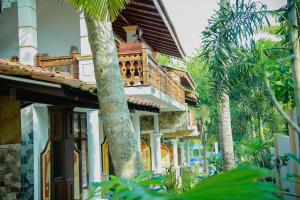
x=102 y=9
x=235 y=185
x=293 y=158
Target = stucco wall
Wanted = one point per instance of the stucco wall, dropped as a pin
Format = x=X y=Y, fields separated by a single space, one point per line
x=168 y=122
x=9 y=43
x=10 y=171
x=58 y=27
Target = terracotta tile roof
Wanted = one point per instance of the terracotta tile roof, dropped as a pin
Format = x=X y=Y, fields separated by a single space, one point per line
x=42 y=74
x=191 y=95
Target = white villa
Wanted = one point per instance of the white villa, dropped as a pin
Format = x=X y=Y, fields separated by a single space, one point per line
x=52 y=144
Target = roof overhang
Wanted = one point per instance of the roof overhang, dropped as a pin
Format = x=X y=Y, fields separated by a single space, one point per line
x=158 y=31
x=186 y=78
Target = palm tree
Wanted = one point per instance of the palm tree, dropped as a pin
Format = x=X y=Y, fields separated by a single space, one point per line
x=117 y=124
x=294 y=43
x=227 y=29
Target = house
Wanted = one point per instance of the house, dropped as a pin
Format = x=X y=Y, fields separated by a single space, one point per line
x=52 y=140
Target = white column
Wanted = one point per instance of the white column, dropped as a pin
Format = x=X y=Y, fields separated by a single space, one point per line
x=86 y=66
x=94 y=150
x=152 y=147
x=175 y=152
x=137 y=128
x=157 y=144
x=216 y=148
x=182 y=154
x=187 y=152
x=40 y=138
x=27 y=29
x=85 y=48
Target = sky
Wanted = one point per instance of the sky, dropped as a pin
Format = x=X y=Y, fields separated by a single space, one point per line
x=189 y=18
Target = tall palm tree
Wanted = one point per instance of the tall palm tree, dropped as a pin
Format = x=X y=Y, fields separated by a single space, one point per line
x=295 y=48
x=117 y=124
x=228 y=28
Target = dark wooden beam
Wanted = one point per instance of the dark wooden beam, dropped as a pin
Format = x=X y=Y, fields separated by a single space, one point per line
x=141 y=21
x=143 y=12
x=143 y=26
x=143 y=5
x=147 y=32
x=136 y=15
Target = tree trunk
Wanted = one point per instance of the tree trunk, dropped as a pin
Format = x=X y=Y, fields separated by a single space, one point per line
x=118 y=129
x=294 y=42
x=225 y=125
x=225 y=133
x=253 y=128
x=261 y=131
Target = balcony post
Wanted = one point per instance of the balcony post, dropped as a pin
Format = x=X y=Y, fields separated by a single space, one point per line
x=75 y=64
x=145 y=63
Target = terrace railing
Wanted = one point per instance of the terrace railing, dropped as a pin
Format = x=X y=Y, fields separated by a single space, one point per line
x=139 y=68
x=63 y=64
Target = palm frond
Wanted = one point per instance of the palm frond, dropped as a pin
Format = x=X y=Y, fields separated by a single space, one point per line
x=242 y=183
x=234 y=185
x=102 y=9
x=231 y=28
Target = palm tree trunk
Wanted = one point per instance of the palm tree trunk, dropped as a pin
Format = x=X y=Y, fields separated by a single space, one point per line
x=117 y=124
x=253 y=128
x=294 y=42
x=225 y=133
x=261 y=132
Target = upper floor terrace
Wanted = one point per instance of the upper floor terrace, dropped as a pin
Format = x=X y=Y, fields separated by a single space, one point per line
x=51 y=34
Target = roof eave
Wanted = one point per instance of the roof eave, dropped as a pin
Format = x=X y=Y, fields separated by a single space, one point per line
x=163 y=13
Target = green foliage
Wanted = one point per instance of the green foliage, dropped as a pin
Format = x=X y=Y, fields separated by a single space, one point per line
x=255 y=152
x=215 y=165
x=293 y=158
x=164 y=60
x=228 y=30
x=242 y=183
x=102 y=9
x=188 y=178
x=171 y=181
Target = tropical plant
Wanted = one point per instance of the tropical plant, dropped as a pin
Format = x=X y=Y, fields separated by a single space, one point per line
x=241 y=183
x=256 y=152
x=111 y=96
x=170 y=181
x=229 y=29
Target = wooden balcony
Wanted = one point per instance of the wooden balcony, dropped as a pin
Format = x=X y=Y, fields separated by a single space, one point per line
x=139 y=68
x=62 y=64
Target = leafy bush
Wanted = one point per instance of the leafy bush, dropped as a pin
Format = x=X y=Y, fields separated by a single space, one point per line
x=171 y=181
x=242 y=183
x=255 y=152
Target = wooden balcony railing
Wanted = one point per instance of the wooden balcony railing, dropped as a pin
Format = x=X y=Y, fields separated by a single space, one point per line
x=139 y=68
x=65 y=64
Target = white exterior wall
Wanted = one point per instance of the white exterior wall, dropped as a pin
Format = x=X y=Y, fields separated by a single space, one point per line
x=9 y=42
x=40 y=138
x=58 y=27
